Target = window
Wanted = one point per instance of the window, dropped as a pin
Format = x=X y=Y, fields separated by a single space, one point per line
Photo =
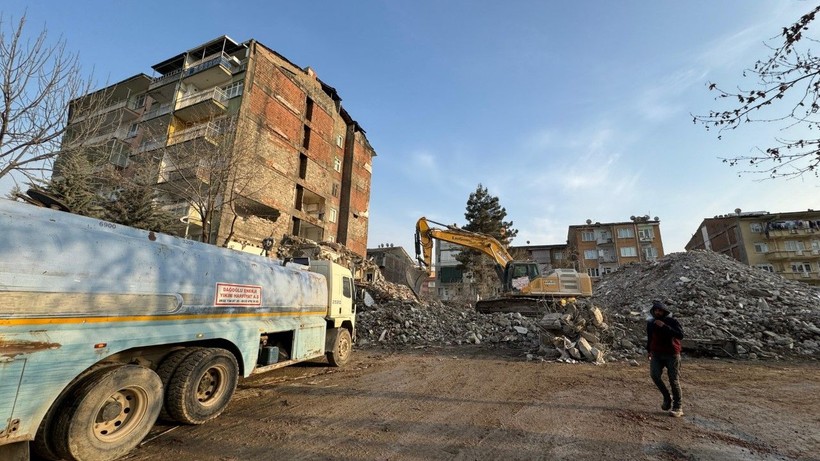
x=626 y=233
x=132 y=130
x=233 y=90
x=761 y=247
x=650 y=253
x=335 y=190
x=801 y=267
x=607 y=270
x=590 y=254
x=645 y=234
x=593 y=272
x=587 y=236
x=337 y=164
x=756 y=227
x=339 y=140
x=558 y=255
x=765 y=267
x=347 y=283
x=628 y=252
x=793 y=245
x=119 y=156
x=333 y=215
x=139 y=102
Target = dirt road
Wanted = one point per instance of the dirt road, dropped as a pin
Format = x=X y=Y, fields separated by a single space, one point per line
x=469 y=403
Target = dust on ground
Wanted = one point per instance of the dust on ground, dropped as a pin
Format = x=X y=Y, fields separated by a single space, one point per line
x=468 y=402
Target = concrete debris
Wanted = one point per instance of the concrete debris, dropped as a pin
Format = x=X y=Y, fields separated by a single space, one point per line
x=727 y=308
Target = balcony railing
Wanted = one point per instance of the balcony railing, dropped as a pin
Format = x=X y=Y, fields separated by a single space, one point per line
x=208 y=62
x=208 y=131
x=164 y=79
x=792 y=233
x=216 y=94
x=113 y=106
x=802 y=276
x=157 y=110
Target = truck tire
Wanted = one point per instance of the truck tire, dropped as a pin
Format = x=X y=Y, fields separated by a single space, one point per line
x=107 y=414
x=166 y=370
x=342 y=349
x=202 y=385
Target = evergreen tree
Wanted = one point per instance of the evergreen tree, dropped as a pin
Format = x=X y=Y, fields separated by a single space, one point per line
x=485 y=215
x=134 y=204
x=74 y=183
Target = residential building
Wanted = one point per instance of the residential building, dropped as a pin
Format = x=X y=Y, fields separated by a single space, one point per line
x=395 y=265
x=548 y=257
x=786 y=243
x=306 y=163
x=452 y=280
x=600 y=248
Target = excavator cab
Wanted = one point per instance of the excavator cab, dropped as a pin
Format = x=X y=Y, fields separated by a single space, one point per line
x=518 y=275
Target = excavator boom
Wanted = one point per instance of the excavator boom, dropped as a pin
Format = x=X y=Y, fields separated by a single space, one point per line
x=525 y=289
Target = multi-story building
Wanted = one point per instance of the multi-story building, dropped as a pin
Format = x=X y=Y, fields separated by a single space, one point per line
x=292 y=159
x=785 y=243
x=600 y=248
x=452 y=281
x=548 y=257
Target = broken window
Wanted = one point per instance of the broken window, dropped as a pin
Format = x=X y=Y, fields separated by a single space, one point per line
x=593 y=272
x=756 y=227
x=337 y=164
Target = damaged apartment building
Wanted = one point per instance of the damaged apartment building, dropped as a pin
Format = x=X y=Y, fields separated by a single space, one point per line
x=786 y=243
x=293 y=160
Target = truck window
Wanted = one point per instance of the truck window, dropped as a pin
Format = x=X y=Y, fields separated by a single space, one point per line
x=346 y=291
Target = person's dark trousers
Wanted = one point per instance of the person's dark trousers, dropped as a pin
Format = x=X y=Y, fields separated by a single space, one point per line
x=672 y=365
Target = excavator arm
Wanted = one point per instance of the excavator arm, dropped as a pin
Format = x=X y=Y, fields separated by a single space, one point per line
x=453 y=234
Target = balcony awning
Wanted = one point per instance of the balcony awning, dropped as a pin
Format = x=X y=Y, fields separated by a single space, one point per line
x=223 y=43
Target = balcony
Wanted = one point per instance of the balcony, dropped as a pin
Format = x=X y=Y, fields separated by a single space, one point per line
x=604 y=241
x=162 y=88
x=148 y=145
x=123 y=109
x=793 y=233
x=208 y=131
x=793 y=254
x=201 y=105
x=211 y=71
x=157 y=110
x=811 y=277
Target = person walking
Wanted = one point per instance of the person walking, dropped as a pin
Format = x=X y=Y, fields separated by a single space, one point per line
x=663 y=342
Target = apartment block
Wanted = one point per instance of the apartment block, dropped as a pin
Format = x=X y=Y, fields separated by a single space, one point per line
x=548 y=257
x=600 y=248
x=786 y=243
x=295 y=161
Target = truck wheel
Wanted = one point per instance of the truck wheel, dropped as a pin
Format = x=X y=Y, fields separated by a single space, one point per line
x=342 y=349
x=166 y=370
x=202 y=386
x=107 y=414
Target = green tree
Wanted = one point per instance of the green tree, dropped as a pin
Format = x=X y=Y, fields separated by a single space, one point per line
x=485 y=215
x=134 y=203
x=785 y=91
x=75 y=183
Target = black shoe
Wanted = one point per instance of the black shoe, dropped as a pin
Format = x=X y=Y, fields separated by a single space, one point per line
x=667 y=404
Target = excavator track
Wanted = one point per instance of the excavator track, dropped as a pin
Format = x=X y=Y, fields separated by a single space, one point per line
x=531 y=307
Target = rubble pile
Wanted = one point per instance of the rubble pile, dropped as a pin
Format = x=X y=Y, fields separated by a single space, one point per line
x=726 y=307
x=401 y=324
x=575 y=332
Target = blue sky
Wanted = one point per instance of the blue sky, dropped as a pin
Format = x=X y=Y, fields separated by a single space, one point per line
x=566 y=111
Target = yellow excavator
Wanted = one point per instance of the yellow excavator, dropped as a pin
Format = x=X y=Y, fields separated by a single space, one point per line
x=524 y=288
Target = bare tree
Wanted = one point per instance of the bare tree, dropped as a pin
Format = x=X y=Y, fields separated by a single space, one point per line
x=790 y=78
x=213 y=169
x=39 y=81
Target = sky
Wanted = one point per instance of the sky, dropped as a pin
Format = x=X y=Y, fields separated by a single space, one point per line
x=566 y=111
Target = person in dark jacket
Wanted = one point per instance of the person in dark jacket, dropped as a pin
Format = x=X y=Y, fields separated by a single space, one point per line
x=663 y=337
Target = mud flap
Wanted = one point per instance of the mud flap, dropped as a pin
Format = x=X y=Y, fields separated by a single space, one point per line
x=17 y=451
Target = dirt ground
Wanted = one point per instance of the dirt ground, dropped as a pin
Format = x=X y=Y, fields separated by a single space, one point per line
x=465 y=403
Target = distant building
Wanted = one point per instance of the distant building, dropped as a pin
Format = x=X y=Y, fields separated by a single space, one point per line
x=393 y=262
x=452 y=281
x=785 y=243
x=548 y=257
x=600 y=248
